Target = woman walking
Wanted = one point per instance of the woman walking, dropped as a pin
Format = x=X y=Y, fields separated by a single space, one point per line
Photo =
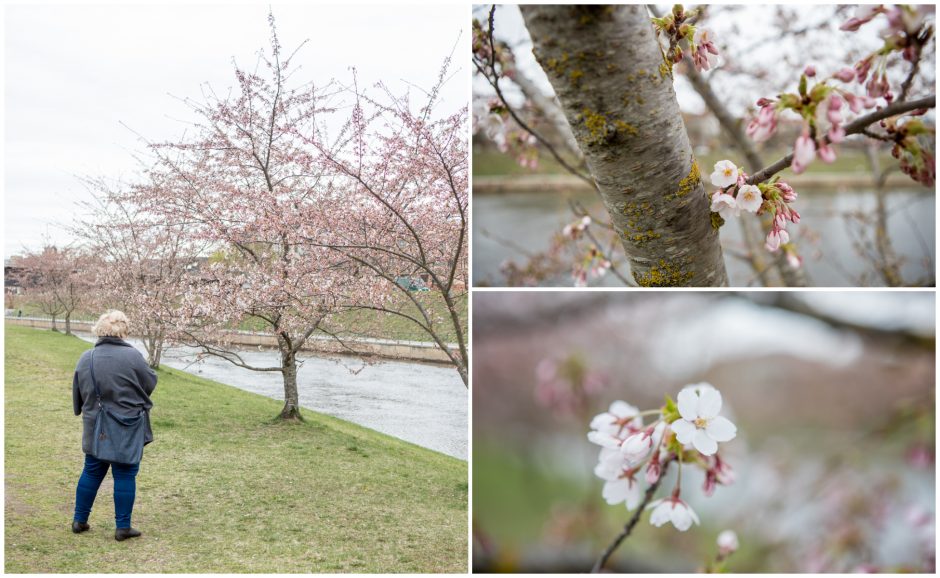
x=112 y=387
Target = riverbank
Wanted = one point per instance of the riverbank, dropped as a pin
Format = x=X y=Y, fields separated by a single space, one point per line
x=224 y=488
x=421 y=403
x=381 y=348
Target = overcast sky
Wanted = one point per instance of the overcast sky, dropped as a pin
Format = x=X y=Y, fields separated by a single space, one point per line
x=74 y=73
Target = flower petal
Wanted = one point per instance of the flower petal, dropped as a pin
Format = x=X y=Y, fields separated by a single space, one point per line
x=616 y=491
x=706 y=445
x=680 y=517
x=721 y=429
x=623 y=409
x=603 y=422
x=684 y=430
x=603 y=439
x=688 y=404
x=634 y=496
x=709 y=403
x=693 y=515
x=661 y=514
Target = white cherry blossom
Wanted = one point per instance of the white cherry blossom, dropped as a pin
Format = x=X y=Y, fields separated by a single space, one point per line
x=608 y=428
x=636 y=447
x=749 y=198
x=673 y=510
x=725 y=174
x=725 y=205
x=700 y=424
x=625 y=489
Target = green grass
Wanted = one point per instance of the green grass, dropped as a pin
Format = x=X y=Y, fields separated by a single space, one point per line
x=224 y=487
x=365 y=323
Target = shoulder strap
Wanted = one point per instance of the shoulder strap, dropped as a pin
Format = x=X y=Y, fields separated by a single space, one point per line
x=93 y=380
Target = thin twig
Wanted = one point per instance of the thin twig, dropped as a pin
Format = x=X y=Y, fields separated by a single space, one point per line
x=628 y=528
x=494 y=82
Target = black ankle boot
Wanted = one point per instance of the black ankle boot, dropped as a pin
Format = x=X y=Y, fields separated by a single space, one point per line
x=122 y=534
x=79 y=527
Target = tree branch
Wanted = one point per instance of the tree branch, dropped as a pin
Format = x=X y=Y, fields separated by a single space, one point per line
x=628 y=528
x=855 y=127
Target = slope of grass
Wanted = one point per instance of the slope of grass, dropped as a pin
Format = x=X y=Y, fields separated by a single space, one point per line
x=224 y=488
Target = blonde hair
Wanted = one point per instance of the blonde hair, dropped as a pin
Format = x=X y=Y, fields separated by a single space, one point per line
x=112 y=324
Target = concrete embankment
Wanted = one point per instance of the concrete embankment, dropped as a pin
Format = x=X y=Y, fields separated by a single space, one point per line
x=384 y=348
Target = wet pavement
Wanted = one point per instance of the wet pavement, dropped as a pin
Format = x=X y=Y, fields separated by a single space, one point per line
x=420 y=403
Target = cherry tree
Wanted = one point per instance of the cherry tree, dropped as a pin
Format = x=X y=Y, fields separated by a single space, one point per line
x=240 y=182
x=612 y=70
x=402 y=210
x=142 y=263
x=56 y=280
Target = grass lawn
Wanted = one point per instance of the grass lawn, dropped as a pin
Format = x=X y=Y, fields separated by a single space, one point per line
x=367 y=323
x=223 y=488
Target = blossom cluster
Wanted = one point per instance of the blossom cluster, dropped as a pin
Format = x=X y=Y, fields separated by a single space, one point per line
x=735 y=195
x=592 y=262
x=493 y=119
x=686 y=431
x=676 y=33
x=822 y=104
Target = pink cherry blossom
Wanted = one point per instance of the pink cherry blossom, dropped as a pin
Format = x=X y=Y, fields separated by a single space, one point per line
x=804 y=151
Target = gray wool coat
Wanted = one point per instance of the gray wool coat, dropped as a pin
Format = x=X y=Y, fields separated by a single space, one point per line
x=125 y=381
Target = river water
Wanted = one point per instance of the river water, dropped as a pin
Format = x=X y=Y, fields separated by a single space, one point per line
x=420 y=403
x=826 y=238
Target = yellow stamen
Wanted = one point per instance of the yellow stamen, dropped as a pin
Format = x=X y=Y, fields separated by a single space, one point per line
x=700 y=422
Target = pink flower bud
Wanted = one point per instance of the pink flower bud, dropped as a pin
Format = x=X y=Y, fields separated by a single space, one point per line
x=836 y=134
x=854 y=103
x=810 y=71
x=803 y=152
x=827 y=154
x=794 y=260
x=762 y=102
x=845 y=75
x=727 y=543
x=794 y=216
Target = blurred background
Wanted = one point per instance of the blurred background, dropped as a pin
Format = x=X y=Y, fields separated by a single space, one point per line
x=522 y=198
x=832 y=392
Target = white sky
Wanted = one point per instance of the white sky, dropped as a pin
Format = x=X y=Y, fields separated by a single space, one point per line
x=73 y=73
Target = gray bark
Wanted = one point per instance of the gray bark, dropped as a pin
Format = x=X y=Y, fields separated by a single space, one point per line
x=607 y=70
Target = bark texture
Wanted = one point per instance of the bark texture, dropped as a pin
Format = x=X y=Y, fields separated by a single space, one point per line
x=607 y=69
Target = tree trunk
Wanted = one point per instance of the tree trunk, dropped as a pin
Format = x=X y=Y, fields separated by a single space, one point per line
x=607 y=69
x=68 y=323
x=54 y=328
x=154 y=345
x=291 y=409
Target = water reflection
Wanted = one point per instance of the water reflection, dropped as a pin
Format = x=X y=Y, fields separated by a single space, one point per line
x=828 y=245
x=419 y=403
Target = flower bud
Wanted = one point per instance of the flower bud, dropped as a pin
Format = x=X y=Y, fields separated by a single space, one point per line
x=845 y=75
x=727 y=542
x=810 y=71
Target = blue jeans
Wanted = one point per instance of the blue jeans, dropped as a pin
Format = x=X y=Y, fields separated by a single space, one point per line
x=125 y=488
